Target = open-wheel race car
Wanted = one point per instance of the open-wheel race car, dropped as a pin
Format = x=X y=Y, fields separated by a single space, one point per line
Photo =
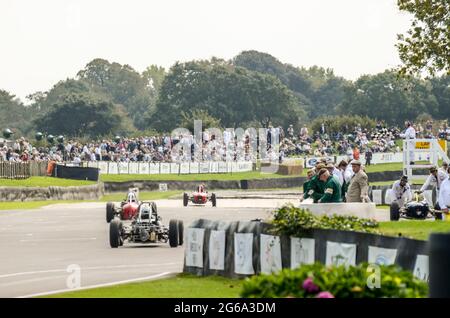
x=127 y=208
x=145 y=227
x=417 y=209
x=200 y=196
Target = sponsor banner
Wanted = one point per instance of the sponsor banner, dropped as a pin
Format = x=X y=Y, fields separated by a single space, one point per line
x=385 y=157
x=194 y=247
x=302 y=251
x=204 y=167
x=103 y=166
x=144 y=168
x=184 y=168
x=164 y=168
x=217 y=250
x=133 y=168
x=174 y=168
x=214 y=167
x=382 y=256
x=311 y=162
x=222 y=167
x=423 y=145
x=194 y=167
x=123 y=167
x=154 y=168
x=421 y=268
x=340 y=254
x=112 y=168
x=234 y=167
x=243 y=251
x=270 y=254
x=92 y=164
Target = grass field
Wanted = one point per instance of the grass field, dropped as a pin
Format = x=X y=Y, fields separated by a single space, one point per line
x=43 y=182
x=414 y=229
x=181 y=286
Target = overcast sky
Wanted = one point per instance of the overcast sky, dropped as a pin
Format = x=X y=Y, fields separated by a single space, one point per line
x=44 y=41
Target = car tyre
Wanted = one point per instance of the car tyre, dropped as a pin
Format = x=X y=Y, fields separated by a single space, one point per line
x=180 y=232
x=173 y=233
x=114 y=233
x=109 y=211
x=185 y=199
x=214 y=200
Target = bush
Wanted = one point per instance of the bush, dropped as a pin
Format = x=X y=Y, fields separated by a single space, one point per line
x=319 y=281
x=342 y=124
x=292 y=221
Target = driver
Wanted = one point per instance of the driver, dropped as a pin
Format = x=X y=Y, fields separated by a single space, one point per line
x=401 y=191
x=201 y=188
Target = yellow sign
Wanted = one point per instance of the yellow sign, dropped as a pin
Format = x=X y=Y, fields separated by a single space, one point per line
x=426 y=144
x=423 y=145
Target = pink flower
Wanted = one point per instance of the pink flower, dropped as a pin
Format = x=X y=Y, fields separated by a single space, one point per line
x=310 y=287
x=324 y=294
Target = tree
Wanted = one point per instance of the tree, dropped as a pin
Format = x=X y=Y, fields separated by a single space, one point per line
x=154 y=76
x=386 y=97
x=208 y=121
x=13 y=114
x=441 y=90
x=426 y=45
x=79 y=115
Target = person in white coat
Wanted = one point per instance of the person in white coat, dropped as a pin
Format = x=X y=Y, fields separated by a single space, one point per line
x=401 y=191
x=444 y=196
x=435 y=179
x=409 y=134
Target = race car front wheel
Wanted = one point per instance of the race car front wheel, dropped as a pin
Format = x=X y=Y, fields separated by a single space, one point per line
x=395 y=211
x=173 y=233
x=185 y=199
x=180 y=232
x=214 y=200
x=109 y=211
x=114 y=233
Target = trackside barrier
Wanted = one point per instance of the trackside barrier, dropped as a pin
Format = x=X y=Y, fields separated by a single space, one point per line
x=240 y=249
x=107 y=167
x=22 y=170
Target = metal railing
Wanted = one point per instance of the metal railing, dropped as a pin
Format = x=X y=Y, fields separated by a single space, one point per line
x=22 y=170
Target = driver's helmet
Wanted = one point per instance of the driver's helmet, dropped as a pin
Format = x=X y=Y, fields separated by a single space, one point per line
x=201 y=188
x=132 y=197
x=145 y=212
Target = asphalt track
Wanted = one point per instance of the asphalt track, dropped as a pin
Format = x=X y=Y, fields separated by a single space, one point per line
x=37 y=247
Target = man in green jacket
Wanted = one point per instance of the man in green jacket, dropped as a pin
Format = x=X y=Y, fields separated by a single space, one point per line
x=332 y=192
x=307 y=192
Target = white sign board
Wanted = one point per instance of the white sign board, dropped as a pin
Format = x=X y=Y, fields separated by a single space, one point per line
x=194 y=167
x=174 y=168
x=270 y=254
x=164 y=168
x=154 y=168
x=377 y=196
x=123 y=167
x=204 y=167
x=217 y=250
x=382 y=256
x=112 y=168
x=222 y=167
x=214 y=167
x=184 y=167
x=340 y=254
x=302 y=251
x=243 y=253
x=133 y=168
x=163 y=187
x=194 y=247
x=103 y=166
x=421 y=268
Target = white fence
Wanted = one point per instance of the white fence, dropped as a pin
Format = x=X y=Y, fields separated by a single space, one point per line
x=107 y=167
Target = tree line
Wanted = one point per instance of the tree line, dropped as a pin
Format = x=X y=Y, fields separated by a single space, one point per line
x=251 y=90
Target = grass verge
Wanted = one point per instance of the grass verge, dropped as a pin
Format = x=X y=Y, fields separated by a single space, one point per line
x=44 y=182
x=419 y=230
x=181 y=286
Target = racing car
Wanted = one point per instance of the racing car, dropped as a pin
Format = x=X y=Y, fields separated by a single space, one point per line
x=200 y=196
x=145 y=227
x=417 y=209
x=127 y=209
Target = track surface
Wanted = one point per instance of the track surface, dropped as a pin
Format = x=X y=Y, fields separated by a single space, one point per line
x=37 y=246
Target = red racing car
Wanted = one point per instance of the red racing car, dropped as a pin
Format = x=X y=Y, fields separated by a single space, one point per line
x=128 y=207
x=201 y=196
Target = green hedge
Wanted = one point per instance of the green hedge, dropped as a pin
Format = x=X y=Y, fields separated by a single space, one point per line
x=292 y=221
x=319 y=281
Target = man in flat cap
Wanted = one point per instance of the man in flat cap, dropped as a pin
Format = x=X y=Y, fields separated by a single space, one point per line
x=332 y=192
x=359 y=184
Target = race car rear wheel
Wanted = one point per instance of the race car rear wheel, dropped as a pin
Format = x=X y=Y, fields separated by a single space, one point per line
x=173 y=233
x=214 y=200
x=185 y=199
x=109 y=211
x=114 y=233
x=395 y=211
x=438 y=216
x=154 y=208
x=180 y=232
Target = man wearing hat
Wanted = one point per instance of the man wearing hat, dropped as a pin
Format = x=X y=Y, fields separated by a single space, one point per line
x=359 y=186
x=332 y=192
x=444 y=168
x=401 y=191
x=307 y=191
x=316 y=187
